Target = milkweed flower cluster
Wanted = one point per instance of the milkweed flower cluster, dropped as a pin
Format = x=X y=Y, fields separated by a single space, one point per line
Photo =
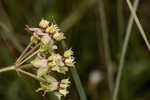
x=49 y=60
x=61 y=63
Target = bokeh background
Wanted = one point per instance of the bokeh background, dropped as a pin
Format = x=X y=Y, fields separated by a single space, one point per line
x=81 y=21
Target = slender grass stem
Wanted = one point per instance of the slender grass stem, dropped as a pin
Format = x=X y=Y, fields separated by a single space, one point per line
x=120 y=21
x=77 y=14
x=138 y=24
x=76 y=78
x=106 y=45
x=123 y=52
x=31 y=75
x=11 y=37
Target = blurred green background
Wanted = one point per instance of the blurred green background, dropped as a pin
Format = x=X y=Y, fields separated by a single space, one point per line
x=81 y=22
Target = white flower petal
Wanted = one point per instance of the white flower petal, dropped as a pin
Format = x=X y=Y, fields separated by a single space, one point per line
x=39 y=62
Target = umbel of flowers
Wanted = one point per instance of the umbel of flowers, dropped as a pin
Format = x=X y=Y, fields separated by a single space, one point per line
x=49 y=60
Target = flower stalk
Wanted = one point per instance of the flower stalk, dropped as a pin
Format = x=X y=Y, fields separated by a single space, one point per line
x=9 y=68
x=13 y=67
x=30 y=74
x=25 y=50
x=23 y=56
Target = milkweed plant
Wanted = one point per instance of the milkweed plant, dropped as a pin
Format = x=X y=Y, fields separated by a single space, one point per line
x=45 y=55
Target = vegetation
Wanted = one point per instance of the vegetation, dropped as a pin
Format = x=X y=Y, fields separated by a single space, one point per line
x=109 y=39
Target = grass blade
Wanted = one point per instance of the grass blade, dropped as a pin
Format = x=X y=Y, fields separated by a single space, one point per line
x=107 y=57
x=11 y=37
x=123 y=52
x=120 y=21
x=138 y=24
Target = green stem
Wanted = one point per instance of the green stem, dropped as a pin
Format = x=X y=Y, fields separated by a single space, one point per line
x=123 y=52
x=120 y=21
x=9 y=34
x=78 y=83
x=138 y=24
x=9 y=68
x=106 y=45
x=76 y=78
x=26 y=66
x=25 y=50
x=13 y=67
x=28 y=53
x=31 y=75
x=29 y=57
x=77 y=14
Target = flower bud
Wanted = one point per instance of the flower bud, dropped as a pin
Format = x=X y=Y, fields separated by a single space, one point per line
x=46 y=39
x=69 y=61
x=39 y=62
x=63 y=92
x=43 y=23
x=50 y=29
x=54 y=47
x=64 y=85
x=66 y=81
x=68 y=53
x=50 y=64
x=59 y=36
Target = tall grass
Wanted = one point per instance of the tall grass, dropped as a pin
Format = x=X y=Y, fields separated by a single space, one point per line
x=105 y=34
x=9 y=35
x=124 y=49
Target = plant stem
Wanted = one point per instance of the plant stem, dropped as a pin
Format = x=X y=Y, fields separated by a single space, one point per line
x=9 y=68
x=123 y=52
x=26 y=66
x=31 y=75
x=13 y=67
x=28 y=53
x=9 y=34
x=78 y=83
x=138 y=24
x=106 y=45
x=25 y=50
x=120 y=21
x=77 y=14
x=76 y=78
x=29 y=57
